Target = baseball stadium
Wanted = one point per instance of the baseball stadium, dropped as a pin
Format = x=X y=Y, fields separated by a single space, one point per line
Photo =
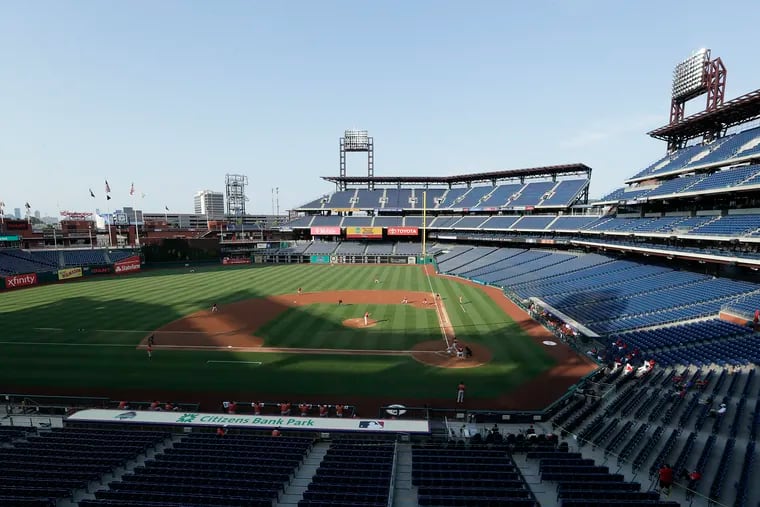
x=489 y=338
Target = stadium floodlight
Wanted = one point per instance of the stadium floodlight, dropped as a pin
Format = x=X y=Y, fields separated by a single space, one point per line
x=690 y=77
x=356 y=140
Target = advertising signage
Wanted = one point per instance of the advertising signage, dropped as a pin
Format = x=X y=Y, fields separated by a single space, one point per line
x=325 y=231
x=364 y=232
x=252 y=421
x=127 y=265
x=403 y=231
x=18 y=281
x=10 y=238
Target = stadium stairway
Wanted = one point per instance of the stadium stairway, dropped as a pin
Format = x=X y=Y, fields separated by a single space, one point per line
x=404 y=494
x=300 y=482
x=89 y=492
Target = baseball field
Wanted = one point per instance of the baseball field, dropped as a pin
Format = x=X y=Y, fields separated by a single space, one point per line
x=269 y=343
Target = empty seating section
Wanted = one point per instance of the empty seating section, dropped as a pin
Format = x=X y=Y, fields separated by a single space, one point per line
x=469 y=222
x=464 y=258
x=531 y=194
x=671 y=162
x=209 y=470
x=725 y=178
x=500 y=196
x=320 y=248
x=730 y=225
x=83 y=257
x=533 y=262
x=350 y=248
x=357 y=222
x=397 y=198
x=353 y=472
x=734 y=351
x=387 y=222
x=409 y=249
x=625 y=194
x=499 y=223
x=564 y=194
x=473 y=197
x=443 y=222
x=379 y=249
x=415 y=221
x=497 y=270
x=430 y=197
x=316 y=203
x=300 y=222
x=117 y=255
x=327 y=221
x=533 y=223
x=14 y=261
x=736 y=145
x=451 y=197
x=658 y=225
x=685 y=335
x=341 y=199
x=489 y=256
x=678 y=184
x=366 y=199
x=572 y=264
x=572 y=223
x=60 y=461
x=477 y=476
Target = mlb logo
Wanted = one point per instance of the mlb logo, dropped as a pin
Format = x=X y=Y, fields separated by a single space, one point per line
x=375 y=425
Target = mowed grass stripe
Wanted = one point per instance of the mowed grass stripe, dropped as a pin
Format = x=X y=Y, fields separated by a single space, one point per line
x=147 y=301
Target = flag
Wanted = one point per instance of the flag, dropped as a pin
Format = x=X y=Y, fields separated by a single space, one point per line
x=28 y=206
x=132 y=189
x=166 y=208
x=92 y=194
x=108 y=197
x=142 y=195
x=108 y=188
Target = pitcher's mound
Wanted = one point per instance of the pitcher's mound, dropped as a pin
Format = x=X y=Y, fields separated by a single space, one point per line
x=433 y=353
x=359 y=323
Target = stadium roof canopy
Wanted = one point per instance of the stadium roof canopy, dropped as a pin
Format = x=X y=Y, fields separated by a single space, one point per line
x=534 y=172
x=740 y=110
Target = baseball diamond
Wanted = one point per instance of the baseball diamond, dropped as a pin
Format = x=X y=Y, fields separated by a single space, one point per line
x=268 y=341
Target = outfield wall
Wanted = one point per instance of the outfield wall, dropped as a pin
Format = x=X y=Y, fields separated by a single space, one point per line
x=24 y=280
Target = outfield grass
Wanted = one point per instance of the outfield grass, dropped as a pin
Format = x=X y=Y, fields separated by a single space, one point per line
x=399 y=327
x=116 y=313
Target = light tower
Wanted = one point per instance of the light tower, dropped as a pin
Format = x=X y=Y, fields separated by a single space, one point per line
x=235 y=189
x=693 y=77
x=357 y=140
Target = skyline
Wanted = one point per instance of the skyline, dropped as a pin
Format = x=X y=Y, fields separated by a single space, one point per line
x=172 y=96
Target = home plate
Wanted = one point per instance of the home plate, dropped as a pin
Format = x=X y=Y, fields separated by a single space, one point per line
x=257 y=363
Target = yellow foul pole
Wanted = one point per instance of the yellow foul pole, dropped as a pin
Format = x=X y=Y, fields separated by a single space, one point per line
x=424 y=222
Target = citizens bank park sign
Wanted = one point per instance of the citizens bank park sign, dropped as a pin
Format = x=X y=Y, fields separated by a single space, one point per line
x=252 y=421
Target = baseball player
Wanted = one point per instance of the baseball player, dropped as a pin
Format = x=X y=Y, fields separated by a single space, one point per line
x=366 y=318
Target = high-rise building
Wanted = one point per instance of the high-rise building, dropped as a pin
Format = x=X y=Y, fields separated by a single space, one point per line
x=17 y=212
x=210 y=204
x=37 y=214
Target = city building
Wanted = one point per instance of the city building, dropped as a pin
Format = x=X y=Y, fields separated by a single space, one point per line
x=209 y=204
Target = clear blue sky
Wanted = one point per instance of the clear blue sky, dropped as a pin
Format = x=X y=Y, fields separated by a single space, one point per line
x=173 y=95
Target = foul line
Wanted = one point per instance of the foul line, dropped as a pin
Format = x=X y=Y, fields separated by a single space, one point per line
x=442 y=320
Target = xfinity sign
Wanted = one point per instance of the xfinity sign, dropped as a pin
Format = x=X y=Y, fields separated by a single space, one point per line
x=17 y=281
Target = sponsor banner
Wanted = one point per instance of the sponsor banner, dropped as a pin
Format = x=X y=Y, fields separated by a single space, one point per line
x=17 y=225
x=10 y=238
x=99 y=270
x=325 y=231
x=17 y=281
x=262 y=246
x=229 y=261
x=411 y=260
x=403 y=231
x=320 y=259
x=398 y=260
x=69 y=273
x=364 y=232
x=77 y=215
x=127 y=265
x=252 y=421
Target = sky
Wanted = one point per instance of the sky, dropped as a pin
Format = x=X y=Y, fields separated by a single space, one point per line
x=171 y=95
